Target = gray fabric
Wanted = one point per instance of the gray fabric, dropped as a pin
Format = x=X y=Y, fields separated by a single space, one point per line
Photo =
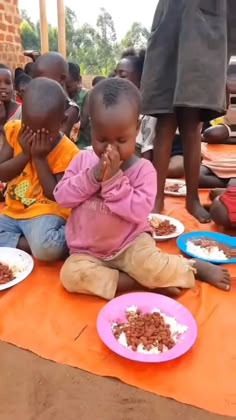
x=186 y=60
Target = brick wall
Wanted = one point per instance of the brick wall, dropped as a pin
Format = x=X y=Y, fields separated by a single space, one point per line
x=10 y=41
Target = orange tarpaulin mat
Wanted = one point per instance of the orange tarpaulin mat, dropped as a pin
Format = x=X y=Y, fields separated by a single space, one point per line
x=40 y=316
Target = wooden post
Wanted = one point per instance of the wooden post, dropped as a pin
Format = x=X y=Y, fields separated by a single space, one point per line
x=61 y=17
x=43 y=26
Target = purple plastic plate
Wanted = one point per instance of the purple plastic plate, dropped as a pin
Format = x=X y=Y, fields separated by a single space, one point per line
x=114 y=311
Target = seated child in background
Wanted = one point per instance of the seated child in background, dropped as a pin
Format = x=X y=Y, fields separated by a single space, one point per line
x=9 y=109
x=111 y=192
x=223 y=208
x=33 y=158
x=130 y=67
x=79 y=95
x=218 y=165
x=53 y=66
x=97 y=79
x=21 y=83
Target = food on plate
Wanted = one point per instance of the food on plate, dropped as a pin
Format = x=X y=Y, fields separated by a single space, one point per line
x=162 y=227
x=208 y=249
x=148 y=333
x=6 y=274
x=173 y=187
x=10 y=267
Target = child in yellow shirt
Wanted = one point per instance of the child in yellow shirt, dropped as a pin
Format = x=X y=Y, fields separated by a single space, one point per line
x=33 y=159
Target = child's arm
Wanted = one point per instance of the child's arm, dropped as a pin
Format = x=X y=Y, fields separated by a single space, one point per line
x=10 y=166
x=72 y=115
x=77 y=185
x=41 y=147
x=132 y=203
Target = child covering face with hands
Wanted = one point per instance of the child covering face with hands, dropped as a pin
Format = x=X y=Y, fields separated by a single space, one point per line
x=33 y=159
x=111 y=193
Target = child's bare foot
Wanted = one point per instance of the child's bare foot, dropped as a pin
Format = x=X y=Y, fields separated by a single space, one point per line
x=213 y=274
x=173 y=292
x=195 y=208
x=128 y=284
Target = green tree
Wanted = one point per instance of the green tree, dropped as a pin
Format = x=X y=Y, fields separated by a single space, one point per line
x=87 y=50
x=136 y=37
x=106 y=42
x=30 y=35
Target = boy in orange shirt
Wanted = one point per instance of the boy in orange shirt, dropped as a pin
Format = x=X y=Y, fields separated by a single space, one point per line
x=33 y=159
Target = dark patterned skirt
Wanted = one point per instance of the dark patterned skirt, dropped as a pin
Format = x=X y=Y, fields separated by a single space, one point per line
x=186 y=61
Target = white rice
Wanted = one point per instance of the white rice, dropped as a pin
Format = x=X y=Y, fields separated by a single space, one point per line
x=213 y=253
x=175 y=328
x=18 y=265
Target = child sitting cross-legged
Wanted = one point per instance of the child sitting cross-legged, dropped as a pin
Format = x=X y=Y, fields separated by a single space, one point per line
x=111 y=193
x=33 y=158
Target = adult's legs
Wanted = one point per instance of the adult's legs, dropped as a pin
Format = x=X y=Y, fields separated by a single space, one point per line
x=188 y=123
x=165 y=131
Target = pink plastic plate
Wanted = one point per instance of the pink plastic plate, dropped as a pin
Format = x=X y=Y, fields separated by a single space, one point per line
x=114 y=311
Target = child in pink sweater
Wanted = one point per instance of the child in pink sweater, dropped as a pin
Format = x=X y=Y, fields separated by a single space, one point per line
x=111 y=193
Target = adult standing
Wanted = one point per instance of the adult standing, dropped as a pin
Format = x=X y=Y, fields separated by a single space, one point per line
x=183 y=84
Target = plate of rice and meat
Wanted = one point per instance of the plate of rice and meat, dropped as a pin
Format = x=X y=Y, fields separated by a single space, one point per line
x=15 y=266
x=175 y=187
x=165 y=227
x=146 y=327
x=214 y=247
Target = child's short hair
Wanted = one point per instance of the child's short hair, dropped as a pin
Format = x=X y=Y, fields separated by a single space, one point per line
x=44 y=96
x=21 y=80
x=97 y=79
x=136 y=58
x=51 y=60
x=29 y=67
x=74 y=71
x=4 y=67
x=111 y=91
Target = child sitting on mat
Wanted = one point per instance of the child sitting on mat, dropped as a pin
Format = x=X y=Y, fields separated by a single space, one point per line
x=9 y=108
x=33 y=159
x=111 y=192
x=223 y=208
x=218 y=165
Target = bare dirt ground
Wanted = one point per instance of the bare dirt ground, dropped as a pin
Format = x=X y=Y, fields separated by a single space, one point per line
x=32 y=388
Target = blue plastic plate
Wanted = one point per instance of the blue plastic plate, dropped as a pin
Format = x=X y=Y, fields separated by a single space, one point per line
x=218 y=237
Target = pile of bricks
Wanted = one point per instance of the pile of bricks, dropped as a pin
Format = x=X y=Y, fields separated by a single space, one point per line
x=10 y=41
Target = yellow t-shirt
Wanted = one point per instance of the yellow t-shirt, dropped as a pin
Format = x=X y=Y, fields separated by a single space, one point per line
x=25 y=198
x=217 y=121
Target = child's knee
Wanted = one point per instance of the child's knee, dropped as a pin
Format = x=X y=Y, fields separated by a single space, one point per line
x=50 y=253
x=87 y=275
x=176 y=167
x=219 y=213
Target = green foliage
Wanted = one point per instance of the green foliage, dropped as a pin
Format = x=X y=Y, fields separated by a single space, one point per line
x=95 y=49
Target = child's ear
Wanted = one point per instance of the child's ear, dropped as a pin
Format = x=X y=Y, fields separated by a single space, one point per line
x=64 y=119
x=138 y=125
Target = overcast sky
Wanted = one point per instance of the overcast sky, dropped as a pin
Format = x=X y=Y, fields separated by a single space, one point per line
x=124 y=12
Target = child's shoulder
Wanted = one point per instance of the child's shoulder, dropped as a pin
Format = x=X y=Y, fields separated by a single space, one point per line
x=146 y=165
x=12 y=131
x=84 y=159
